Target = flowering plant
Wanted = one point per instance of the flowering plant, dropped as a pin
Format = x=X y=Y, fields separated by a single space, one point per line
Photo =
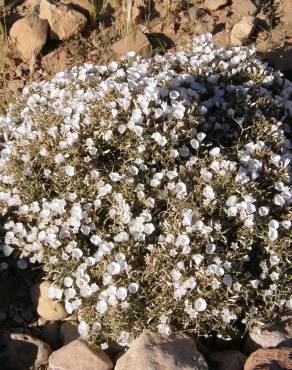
x=156 y=193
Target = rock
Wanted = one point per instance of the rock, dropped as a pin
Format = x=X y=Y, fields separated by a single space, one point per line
x=8 y=289
x=242 y=30
x=50 y=333
x=154 y=351
x=227 y=360
x=215 y=4
x=276 y=335
x=57 y=60
x=286 y=15
x=26 y=314
x=281 y=58
x=82 y=4
x=135 y=41
x=69 y=332
x=270 y=359
x=78 y=356
x=29 y=35
x=64 y=21
x=242 y=8
x=46 y=307
x=22 y=351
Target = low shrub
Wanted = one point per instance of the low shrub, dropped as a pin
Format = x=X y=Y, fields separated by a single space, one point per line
x=156 y=193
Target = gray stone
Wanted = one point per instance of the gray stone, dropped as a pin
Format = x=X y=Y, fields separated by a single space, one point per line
x=276 y=335
x=154 y=351
x=78 y=356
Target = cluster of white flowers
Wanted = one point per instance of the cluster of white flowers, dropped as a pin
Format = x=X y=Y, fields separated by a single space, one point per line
x=156 y=192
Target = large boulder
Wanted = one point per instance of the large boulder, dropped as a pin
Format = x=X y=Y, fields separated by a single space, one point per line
x=78 y=356
x=270 y=359
x=21 y=351
x=29 y=35
x=154 y=351
x=64 y=21
x=46 y=307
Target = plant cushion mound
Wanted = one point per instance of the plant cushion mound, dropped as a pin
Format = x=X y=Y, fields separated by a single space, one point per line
x=155 y=192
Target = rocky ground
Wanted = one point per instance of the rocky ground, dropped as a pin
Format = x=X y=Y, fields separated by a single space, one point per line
x=40 y=39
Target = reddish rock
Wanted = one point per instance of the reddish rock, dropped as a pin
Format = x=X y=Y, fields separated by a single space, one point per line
x=242 y=30
x=29 y=35
x=136 y=42
x=87 y=5
x=64 y=21
x=270 y=359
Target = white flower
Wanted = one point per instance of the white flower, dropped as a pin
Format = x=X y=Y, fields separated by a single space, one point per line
x=279 y=200
x=59 y=158
x=114 y=176
x=133 y=288
x=194 y=143
x=200 y=305
x=69 y=170
x=215 y=152
x=210 y=248
x=182 y=241
x=113 y=268
x=101 y=307
x=286 y=224
x=121 y=293
x=198 y=258
x=274 y=260
x=232 y=212
x=70 y=293
x=123 y=339
x=208 y=193
x=163 y=329
x=83 y=329
x=176 y=275
x=264 y=211
x=77 y=253
x=274 y=276
x=227 y=280
x=181 y=189
x=201 y=136
x=68 y=281
x=160 y=140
